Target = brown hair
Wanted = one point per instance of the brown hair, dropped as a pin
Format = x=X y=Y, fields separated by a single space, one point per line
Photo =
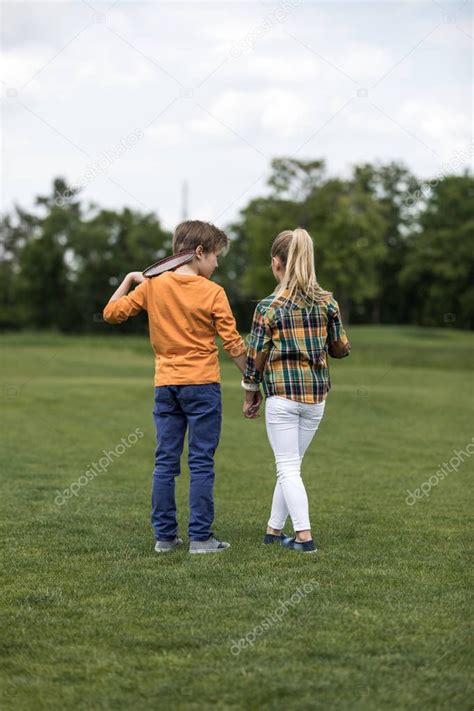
x=192 y=233
x=295 y=250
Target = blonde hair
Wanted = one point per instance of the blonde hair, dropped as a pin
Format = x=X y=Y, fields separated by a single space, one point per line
x=295 y=250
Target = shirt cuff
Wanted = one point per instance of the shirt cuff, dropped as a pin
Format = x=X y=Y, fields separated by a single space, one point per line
x=252 y=376
x=108 y=313
x=236 y=349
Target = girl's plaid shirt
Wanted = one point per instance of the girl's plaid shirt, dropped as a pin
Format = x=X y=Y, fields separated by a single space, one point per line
x=289 y=344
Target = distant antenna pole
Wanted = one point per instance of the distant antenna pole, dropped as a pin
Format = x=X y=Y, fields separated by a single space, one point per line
x=184 y=197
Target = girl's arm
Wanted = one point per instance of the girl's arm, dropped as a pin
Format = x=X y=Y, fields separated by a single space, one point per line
x=337 y=341
x=259 y=344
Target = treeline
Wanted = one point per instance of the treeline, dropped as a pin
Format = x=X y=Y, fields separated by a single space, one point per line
x=391 y=248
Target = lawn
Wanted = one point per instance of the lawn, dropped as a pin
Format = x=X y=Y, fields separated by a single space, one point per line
x=378 y=619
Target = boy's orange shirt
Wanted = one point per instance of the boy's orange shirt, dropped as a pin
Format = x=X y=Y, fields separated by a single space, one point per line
x=185 y=313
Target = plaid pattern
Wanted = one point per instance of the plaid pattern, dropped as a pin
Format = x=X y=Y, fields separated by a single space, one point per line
x=290 y=342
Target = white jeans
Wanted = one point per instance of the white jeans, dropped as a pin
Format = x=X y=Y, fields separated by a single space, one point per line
x=291 y=425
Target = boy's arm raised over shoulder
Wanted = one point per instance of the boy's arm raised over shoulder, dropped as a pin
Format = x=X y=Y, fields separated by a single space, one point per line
x=338 y=343
x=121 y=304
x=226 y=328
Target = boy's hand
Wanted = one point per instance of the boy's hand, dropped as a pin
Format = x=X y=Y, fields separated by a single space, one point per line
x=252 y=404
x=135 y=277
x=124 y=288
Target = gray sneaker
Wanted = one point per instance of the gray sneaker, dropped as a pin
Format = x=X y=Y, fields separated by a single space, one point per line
x=212 y=545
x=167 y=546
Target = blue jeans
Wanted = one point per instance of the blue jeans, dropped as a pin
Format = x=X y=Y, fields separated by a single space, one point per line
x=177 y=407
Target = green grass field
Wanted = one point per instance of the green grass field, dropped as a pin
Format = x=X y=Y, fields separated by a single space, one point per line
x=92 y=618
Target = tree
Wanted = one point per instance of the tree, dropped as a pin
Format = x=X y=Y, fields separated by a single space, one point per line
x=439 y=272
x=60 y=264
x=347 y=226
x=346 y=223
x=392 y=186
x=105 y=248
x=295 y=179
x=383 y=255
x=41 y=289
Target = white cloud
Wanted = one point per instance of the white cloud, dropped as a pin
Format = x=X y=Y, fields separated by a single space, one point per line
x=285 y=114
x=366 y=63
x=441 y=124
x=19 y=65
x=270 y=99
x=278 y=112
x=288 y=67
x=166 y=134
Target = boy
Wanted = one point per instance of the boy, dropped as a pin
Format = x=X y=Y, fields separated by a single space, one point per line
x=185 y=311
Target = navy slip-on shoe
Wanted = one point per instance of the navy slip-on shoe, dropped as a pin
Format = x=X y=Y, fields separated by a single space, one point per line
x=294 y=545
x=271 y=538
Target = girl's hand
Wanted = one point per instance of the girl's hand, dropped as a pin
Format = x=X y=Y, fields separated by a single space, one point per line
x=252 y=404
x=136 y=277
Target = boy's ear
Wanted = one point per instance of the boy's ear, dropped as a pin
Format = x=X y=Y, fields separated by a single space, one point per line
x=199 y=251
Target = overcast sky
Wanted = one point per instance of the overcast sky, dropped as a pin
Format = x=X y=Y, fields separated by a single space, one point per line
x=132 y=98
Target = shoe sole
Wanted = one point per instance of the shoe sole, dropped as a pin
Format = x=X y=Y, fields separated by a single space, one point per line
x=168 y=550
x=296 y=550
x=210 y=550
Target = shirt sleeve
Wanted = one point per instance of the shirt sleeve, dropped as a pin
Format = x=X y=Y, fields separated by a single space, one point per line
x=338 y=343
x=129 y=305
x=225 y=325
x=259 y=344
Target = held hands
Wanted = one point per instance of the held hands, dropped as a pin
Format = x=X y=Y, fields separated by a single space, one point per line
x=252 y=404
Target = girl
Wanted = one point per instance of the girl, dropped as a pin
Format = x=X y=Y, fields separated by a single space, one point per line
x=293 y=331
